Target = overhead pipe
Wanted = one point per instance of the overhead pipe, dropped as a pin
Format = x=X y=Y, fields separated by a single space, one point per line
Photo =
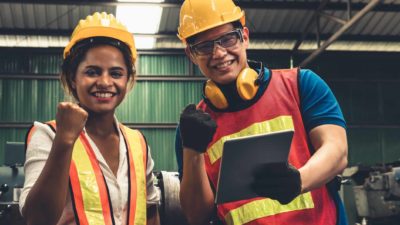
x=334 y=18
x=348 y=3
x=308 y=26
x=343 y=29
x=318 y=34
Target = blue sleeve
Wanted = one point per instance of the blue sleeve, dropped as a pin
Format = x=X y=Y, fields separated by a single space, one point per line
x=179 y=152
x=318 y=104
x=341 y=211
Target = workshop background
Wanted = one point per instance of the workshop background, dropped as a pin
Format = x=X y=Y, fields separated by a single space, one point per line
x=354 y=45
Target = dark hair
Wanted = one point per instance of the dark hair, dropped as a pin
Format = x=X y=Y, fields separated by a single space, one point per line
x=236 y=25
x=78 y=53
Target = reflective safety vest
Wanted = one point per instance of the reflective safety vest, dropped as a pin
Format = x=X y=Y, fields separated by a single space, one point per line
x=89 y=192
x=277 y=109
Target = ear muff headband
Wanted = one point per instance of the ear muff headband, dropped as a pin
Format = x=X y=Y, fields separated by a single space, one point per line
x=214 y=94
x=247 y=84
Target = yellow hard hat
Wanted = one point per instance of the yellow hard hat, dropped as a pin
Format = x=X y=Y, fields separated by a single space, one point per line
x=199 y=15
x=101 y=25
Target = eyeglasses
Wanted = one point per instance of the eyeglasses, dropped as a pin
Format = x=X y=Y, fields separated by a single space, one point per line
x=227 y=40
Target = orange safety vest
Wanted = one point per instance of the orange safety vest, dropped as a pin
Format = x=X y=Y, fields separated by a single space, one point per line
x=89 y=192
x=277 y=109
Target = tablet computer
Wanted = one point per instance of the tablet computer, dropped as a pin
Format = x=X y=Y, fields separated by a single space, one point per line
x=241 y=156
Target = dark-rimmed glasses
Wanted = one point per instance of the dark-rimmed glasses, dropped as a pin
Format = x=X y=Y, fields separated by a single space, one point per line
x=227 y=40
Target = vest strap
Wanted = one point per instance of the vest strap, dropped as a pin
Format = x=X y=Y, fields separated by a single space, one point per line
x=89 y=191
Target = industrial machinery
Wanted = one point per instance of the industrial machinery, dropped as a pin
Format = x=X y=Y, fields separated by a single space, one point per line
x=11 y=182
x=170 y=207
x=376 y=193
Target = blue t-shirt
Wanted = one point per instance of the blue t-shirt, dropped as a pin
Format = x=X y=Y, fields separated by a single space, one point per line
x=318 y=106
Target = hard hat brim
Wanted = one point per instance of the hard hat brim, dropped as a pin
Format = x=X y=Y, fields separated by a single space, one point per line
x=110 y=32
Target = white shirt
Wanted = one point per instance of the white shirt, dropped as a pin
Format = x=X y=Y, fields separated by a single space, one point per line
x=38 y=151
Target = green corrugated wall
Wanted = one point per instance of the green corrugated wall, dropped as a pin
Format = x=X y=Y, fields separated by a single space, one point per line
x=28 y=100
x=367 y=92
x=163 y=65
x=148 y=102
x=367 y=86
x=158 y=101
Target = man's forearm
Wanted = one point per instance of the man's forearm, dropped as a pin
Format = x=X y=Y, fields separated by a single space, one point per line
x=196 y=195
x=329 y=159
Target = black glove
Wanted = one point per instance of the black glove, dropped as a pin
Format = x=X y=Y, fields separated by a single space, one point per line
x=197 y=128
x=279 y=181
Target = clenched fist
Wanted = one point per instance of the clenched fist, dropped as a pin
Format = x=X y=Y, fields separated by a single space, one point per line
x=71 y=120
x=197 y=128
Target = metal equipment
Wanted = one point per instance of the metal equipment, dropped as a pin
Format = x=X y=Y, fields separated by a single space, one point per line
x=170 y=208
x=11 y=180
x=3 y=189
x=377 y=192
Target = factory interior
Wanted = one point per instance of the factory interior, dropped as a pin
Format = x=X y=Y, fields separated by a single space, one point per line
x=353 y=45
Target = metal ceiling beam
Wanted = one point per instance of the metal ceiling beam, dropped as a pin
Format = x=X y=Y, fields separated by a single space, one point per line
x=175 y=78
x=133 y=125
x=173 y=125
x=342 y=6
x=309 y=25
x=339 y=33
x=92 y=3
x=172 y=35
x=64 y=32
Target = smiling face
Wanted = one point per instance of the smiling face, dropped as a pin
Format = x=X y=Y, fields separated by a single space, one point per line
x=224 y=64
x=101 y=79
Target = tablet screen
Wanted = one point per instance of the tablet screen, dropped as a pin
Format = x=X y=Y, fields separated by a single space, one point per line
x=241 y=156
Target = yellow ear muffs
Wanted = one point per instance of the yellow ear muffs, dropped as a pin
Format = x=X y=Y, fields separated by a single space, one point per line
x=246 y=84
x=215 y=95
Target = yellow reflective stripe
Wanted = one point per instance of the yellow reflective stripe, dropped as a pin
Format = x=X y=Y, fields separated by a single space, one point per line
x=88 y=184
x=266 y=207
x=137 y=151
x=279 y=123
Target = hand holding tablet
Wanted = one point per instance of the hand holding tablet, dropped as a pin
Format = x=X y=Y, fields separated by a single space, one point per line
x=242 y=160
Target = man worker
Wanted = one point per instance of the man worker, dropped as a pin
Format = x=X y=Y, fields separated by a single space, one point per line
x=242 y=98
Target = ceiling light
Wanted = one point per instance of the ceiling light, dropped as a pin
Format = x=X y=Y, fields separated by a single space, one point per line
x=135 y=1
x=140 y=18
x=144 y=42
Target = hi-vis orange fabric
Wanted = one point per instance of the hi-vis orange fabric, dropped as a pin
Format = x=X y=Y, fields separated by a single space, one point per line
x=278 y=109
x=88 y=187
